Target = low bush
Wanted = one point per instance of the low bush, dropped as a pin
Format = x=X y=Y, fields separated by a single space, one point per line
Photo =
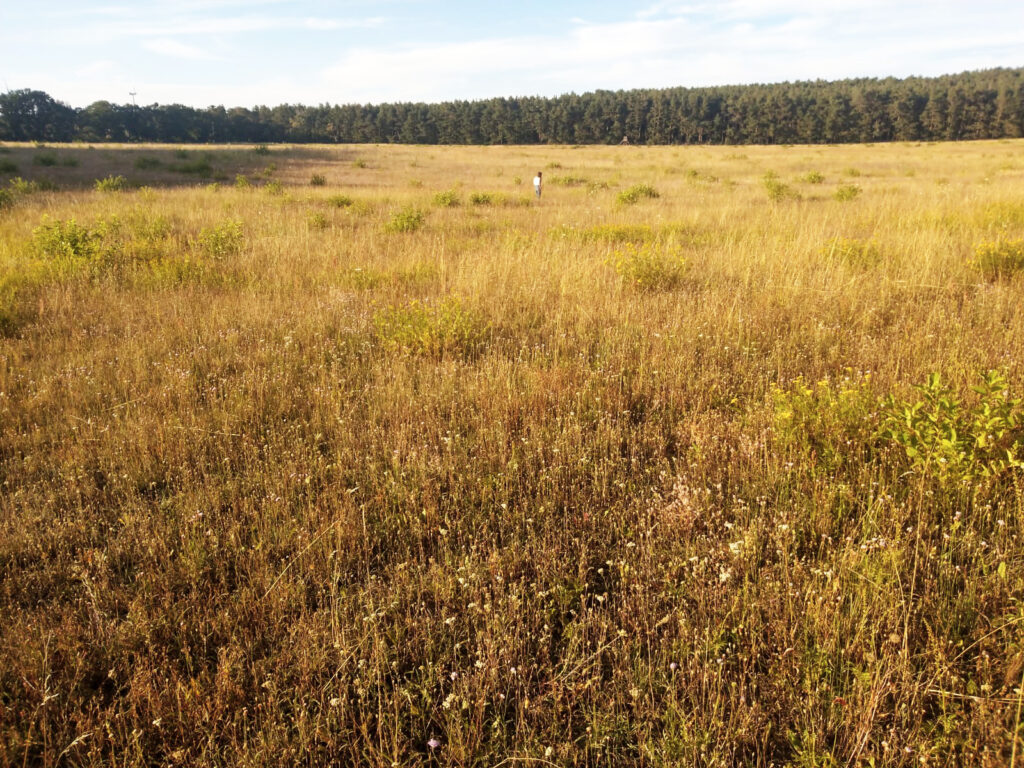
x=147 y=163
x=406 y=220
x=443 y=329
x=568 y=181
x=954 y=440
x=852 y=251
x=846 y=192
x=776 y=189
x=202 y=166
x=813 y=177
x=999 y=258
x=636 y=193
x=45 y=159
x=224 y=239
x=317 y=180
x=649 y=267
x=481 y=198
x=339 y=201
x=6 y=166
x=447 y=199
x=111 y=184
x=619 y=233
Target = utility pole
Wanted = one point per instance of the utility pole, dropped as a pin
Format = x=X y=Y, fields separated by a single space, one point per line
x=132 y=94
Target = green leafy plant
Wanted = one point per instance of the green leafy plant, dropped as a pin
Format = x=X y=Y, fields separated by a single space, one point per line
x=852 y=251
x=261 y=149
x=955 y=440
x=481 y=198
x=406 y=220
x=636 y=193
x=317 y=180
x=1001 y=258
x=224 y=239
x=619 y=233
x=447 y=199
x=45 y=159
x=649 y=267
x=147 y=163
x=111 y=184
x=438 y=330
x=813 y=177
x=846 y=192
x=202 y=166
x=776 y=189
x=339 y=201
x=825 y=418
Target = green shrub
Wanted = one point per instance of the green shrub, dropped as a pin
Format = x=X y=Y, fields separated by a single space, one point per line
x=261 y=149
x=437 y=330
x=813 y=177
x=406 y=220
x=999 y=258
x=776 y=189
x=202 y=166
x=847 y=192
x=242 y=181
x=832 y=420
x=360 y=163
x=568 y=181
x=340 y=201
x=111 y=184
x=648 y=267
x=45 y=159
x=481 y=198
x=6 y=166
x=147 y=163
x=317 y=180
x=447 y=199
x=20 y=186
x=274 y=188
x=957 y=441
x=852 y=172
x=66 y=245
x=317 y=221
x=619 y=233
x=224 y=239
x=636 y=193
x=854 y=252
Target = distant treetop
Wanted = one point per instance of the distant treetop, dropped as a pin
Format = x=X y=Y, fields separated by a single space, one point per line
x=984 y=104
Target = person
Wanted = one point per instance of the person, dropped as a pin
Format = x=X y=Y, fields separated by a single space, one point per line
x=537 y=184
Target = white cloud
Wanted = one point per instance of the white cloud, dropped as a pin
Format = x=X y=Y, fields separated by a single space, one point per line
x=176 y=49
x=693 y=44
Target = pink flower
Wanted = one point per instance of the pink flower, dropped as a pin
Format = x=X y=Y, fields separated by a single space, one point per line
x=433 y=743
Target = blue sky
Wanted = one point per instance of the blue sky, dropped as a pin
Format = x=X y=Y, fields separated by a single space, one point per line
x=248 y=52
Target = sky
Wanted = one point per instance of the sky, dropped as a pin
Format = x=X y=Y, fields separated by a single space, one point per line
x=253 y=52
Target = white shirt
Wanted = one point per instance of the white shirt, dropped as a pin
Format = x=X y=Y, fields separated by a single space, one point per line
x=536 y=181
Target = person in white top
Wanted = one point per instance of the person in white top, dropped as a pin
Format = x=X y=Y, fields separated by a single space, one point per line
x=537 y=183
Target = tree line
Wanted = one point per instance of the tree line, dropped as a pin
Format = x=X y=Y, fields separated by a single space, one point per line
x=984 y=104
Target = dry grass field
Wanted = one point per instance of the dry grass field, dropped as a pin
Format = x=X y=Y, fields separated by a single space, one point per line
x=362 y=456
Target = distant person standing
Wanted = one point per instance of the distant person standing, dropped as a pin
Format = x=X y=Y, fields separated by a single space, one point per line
x=537 y=184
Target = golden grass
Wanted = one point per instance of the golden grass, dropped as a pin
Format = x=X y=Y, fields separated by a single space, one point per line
x=283 y=482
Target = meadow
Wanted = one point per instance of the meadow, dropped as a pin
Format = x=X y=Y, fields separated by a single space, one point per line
x=361 y=455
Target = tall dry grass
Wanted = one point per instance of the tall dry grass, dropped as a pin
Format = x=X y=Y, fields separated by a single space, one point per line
x=348 y=473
